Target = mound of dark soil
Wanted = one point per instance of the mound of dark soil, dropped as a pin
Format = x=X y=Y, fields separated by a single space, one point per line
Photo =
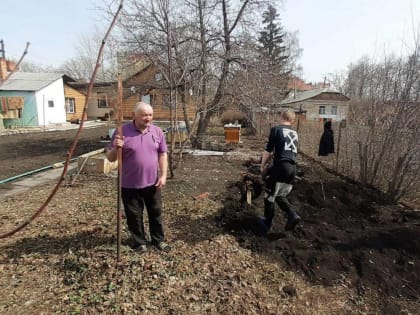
x=349 y=234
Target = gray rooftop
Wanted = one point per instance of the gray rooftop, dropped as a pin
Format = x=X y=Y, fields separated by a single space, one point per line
x=301 y=96
x=28 y=81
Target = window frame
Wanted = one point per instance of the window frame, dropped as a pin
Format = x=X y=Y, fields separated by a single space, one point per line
x=70 y=102
x=321 y=110
x=166 y=101
x=102 y=98
x=153 y=100
x=158 y=77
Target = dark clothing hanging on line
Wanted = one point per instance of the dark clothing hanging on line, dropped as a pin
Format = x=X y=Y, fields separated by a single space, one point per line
x=326 y=144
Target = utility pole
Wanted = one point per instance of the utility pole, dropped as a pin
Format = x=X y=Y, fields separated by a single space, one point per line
x=2 y=51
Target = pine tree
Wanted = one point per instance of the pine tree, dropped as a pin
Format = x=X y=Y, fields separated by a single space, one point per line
x=272 y=38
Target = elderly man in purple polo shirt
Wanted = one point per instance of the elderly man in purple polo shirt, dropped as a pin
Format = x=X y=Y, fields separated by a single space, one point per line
x=144 y=171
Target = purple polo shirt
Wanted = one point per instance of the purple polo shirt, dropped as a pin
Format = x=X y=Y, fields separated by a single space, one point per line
x=140 y=155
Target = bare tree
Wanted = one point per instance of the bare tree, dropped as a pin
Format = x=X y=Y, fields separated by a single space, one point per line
x=154 y=31
x=204 y=39
x=260 y=82
x=230 y=21
x=28 y=66
x=385 y=105
x=81 y=66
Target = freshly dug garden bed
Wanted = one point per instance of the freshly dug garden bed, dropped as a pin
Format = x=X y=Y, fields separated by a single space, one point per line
x=354 y=252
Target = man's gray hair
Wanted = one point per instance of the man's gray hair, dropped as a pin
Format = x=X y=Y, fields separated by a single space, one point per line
x=141 y=105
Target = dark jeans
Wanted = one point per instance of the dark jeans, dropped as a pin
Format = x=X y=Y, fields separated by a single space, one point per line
x=281 y=172
x=134 y=201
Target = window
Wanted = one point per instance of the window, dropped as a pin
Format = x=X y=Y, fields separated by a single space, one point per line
x=145 y=98
x=50 y=103
x=322 y=110
x=334 y=110
x=102 y=100
x=153 y=100
x=165 y=101
x=70 y=105
x=158 y=77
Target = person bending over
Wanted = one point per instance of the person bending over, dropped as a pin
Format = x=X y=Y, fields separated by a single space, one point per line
x=283 y=142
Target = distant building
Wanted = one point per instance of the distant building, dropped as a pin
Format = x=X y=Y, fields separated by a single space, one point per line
x=42 y=95
x=146 y=83
x=298 y=85
x=36 y=99
x=318 y=104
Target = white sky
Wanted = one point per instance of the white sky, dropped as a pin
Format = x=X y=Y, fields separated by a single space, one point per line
x=332 y=33
x=53 y=27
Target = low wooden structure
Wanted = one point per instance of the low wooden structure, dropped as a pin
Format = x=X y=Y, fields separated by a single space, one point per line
x=232 y=133
x=95 y=162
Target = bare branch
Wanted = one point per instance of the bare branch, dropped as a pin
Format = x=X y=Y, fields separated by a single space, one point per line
x=73 y=146
x=17 y=64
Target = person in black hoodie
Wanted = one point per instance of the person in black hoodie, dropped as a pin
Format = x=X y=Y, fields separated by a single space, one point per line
x=283 y=142
x=326 y=144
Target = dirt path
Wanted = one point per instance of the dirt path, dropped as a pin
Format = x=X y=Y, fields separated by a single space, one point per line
x=28 y=151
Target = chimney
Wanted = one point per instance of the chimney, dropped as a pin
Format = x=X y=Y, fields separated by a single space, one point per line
x=3 y=68
x=11 y=65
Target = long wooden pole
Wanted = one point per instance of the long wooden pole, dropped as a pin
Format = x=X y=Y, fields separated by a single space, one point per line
x=338 y=146
x=119 y=158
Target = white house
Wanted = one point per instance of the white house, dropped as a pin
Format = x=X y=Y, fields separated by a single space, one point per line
x=44 y=100
x=318 y=104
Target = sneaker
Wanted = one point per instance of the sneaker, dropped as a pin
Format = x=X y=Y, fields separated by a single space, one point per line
x=164 y=247
x=132 y=243
x=292 y=220
x=141 y=248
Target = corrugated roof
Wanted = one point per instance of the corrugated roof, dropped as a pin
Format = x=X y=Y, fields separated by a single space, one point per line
x=301 y=96
x=28 y=81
